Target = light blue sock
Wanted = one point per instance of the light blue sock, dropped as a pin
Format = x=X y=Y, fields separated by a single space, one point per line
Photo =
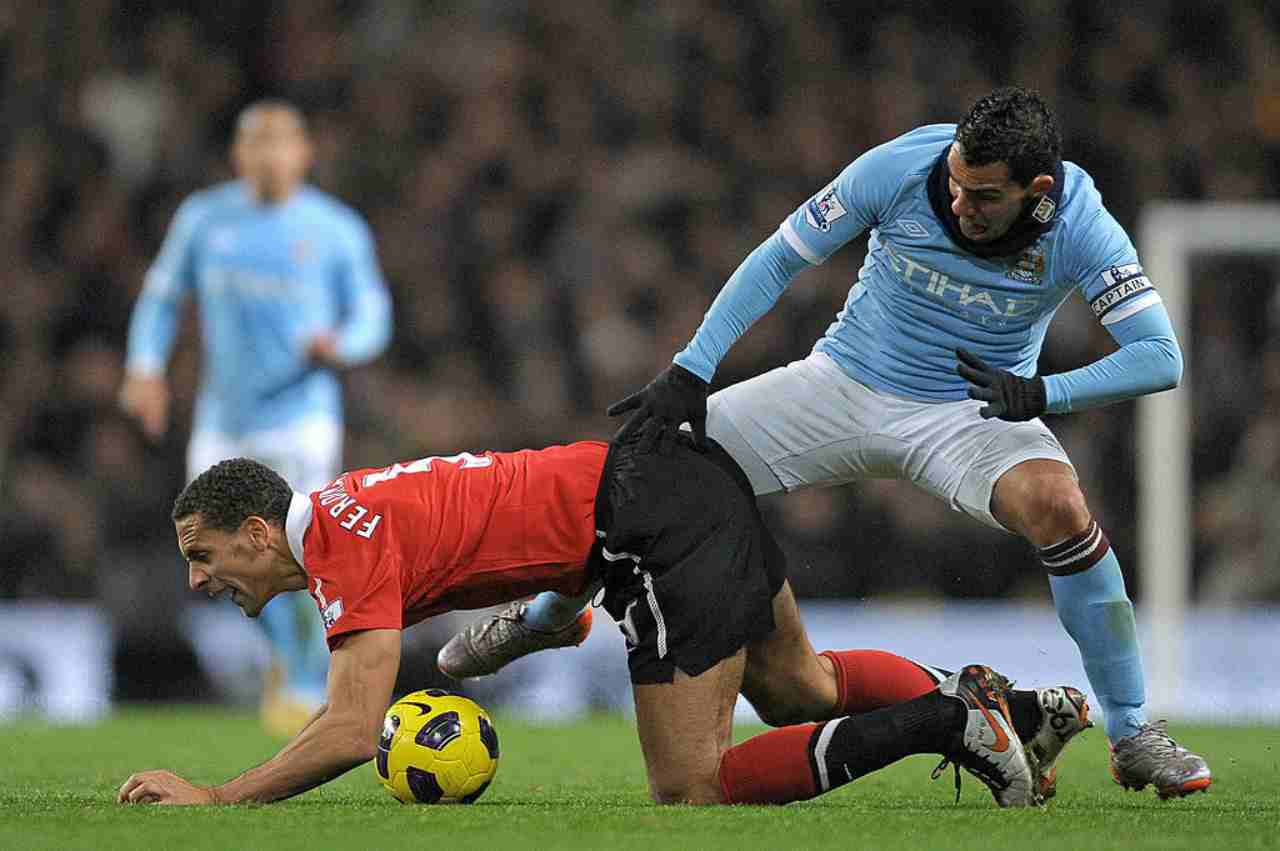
x=310 y=676
x=1094 y=608
x=550 y=611
x=293 y=628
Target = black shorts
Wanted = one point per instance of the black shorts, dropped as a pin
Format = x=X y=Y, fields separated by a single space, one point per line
x=689 y=569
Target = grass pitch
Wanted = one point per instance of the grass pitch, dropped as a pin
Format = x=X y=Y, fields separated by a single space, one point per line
x=582 y=786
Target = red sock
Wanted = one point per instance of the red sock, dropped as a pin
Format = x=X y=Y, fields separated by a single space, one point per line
x=872 y=679
x=771 y=768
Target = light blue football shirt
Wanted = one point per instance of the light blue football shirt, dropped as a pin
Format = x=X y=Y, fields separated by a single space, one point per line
x=920 y=296
x=267 y=279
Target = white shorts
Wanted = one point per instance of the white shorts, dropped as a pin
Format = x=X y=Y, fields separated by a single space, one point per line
x=808 y=424
x=308 y=453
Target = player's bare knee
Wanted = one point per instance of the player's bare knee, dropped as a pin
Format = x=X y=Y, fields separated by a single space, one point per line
x=700 y=791
x=692 y=779
x=780 y=708
x=1066 y=510
x=1056 y=510
x=784 y=695
x=774 y=715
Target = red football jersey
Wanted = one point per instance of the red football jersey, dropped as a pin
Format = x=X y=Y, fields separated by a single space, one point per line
x=388 y=547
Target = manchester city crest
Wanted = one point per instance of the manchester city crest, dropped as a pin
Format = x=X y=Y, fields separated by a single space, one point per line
x=1029 y=265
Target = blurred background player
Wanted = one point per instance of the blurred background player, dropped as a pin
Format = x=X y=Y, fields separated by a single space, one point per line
x=289 y=292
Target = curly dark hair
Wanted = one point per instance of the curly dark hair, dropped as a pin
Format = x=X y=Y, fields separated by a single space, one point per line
x=229 y=491
x=1014 y=126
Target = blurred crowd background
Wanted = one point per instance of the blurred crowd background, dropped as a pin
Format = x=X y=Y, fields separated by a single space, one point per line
x=557 y=191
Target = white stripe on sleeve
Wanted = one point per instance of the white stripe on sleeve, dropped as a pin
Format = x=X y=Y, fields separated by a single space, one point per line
x=793 y=239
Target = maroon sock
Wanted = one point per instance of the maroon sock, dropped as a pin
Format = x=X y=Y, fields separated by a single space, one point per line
x=771 y=768
x=800 y=762
x=871 y=679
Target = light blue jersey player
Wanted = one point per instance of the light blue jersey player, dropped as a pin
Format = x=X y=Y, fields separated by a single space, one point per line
x=977 y=233
x=288 y=291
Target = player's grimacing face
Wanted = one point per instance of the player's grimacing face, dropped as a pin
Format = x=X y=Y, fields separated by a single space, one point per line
x=985 y=199
x=271 y=152
x=221 y=563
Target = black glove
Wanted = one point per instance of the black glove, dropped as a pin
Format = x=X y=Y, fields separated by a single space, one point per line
x=676 y=396
x=1011 y=397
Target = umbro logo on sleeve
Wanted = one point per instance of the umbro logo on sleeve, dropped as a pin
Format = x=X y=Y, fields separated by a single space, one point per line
x=913 y=228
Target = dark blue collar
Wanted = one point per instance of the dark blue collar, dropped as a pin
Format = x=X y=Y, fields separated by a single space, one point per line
x=1034 y=222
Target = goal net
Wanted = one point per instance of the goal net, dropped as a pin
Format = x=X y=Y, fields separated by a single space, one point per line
x=1170 y=235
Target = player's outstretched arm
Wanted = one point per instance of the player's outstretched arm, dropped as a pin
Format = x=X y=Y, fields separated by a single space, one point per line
x=1149 y=360
x=362 y=674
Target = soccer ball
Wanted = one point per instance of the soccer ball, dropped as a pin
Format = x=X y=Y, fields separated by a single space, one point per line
x=436 y=748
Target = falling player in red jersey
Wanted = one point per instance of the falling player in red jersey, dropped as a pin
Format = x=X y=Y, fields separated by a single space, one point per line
x=689 y=572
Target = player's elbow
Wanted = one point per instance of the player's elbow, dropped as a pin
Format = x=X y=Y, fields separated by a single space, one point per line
x=364 y=751
x=382 y=342
x=1169 y=363
x=370 y=342
x=380 y=318
x=360 y=746
x=356 y=741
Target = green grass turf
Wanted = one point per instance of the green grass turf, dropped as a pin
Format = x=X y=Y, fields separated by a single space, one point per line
x=581 y=786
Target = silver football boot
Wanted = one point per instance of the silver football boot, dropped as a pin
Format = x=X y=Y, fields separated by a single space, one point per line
x=485 y=647
x=1151 y=756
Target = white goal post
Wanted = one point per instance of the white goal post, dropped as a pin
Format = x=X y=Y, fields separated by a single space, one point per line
x=1169 y=235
